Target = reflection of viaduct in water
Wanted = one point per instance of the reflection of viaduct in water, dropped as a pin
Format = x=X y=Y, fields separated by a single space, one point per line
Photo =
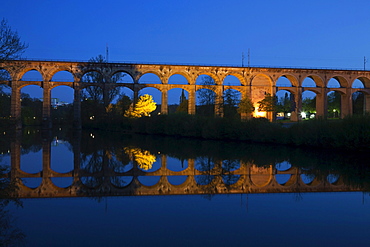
x=254 y=83
x=248 y=178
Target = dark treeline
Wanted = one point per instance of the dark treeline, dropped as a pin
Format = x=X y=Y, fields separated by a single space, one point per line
x=350 y=133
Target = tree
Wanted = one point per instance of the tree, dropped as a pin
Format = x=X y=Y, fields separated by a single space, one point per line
x=11 y=46
x=183 y=106
x=230 y=103
x=96 y=93
x=358 y=100
x=268 y=104
x=334 y=104
x=207 y=96
x=246 y=106
x=123 y=104
x=309 y=105
x=144 y=106
x=285 y=104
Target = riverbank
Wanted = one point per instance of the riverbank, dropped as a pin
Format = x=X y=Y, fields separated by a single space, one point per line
x=351 y=133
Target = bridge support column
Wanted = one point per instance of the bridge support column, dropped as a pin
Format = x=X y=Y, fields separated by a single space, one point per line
x=191 y=102
x=321 y=104
x=77 y=109
x=346 y=104
x=219 y=103
x=366 y=104
x=297 y=99
x=164 y=106
x=46 y=118
x=15 y=106
x=15 y=155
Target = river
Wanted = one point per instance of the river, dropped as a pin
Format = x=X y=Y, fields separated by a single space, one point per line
x=91 y=188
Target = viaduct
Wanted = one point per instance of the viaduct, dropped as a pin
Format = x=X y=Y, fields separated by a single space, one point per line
x=255 y=82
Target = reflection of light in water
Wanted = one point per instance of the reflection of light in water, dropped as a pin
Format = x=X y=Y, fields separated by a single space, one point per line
x=55 y=142
x=143 y=158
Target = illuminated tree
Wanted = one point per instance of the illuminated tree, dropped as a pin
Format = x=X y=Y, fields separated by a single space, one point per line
x=143 y=158
x=144 y=106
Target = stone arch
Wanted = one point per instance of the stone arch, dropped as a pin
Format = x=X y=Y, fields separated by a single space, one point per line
x=87 y=76
x=319 y=81
x=308 y=82
x=364 y=80
x=178 y=78
x=154 y=76
x=239 y=76
x=262 y=80
x=291 y=78
x=341 y=81
x=199 y=79
x=31 y=75
x=124 y=77
x=63 y=76
x=59 y=69
x=231 y=80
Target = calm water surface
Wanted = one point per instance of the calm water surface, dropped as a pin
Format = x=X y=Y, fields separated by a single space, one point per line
x=98 y=189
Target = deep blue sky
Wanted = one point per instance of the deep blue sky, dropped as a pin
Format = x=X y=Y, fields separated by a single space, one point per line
x=278 y=33
x=324 y=34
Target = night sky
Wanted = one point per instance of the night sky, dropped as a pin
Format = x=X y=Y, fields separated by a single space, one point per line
x=320 y=34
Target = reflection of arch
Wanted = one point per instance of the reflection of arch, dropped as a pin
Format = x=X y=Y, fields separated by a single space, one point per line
x=286 y=180
x=260 y=176
x=4 y=75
